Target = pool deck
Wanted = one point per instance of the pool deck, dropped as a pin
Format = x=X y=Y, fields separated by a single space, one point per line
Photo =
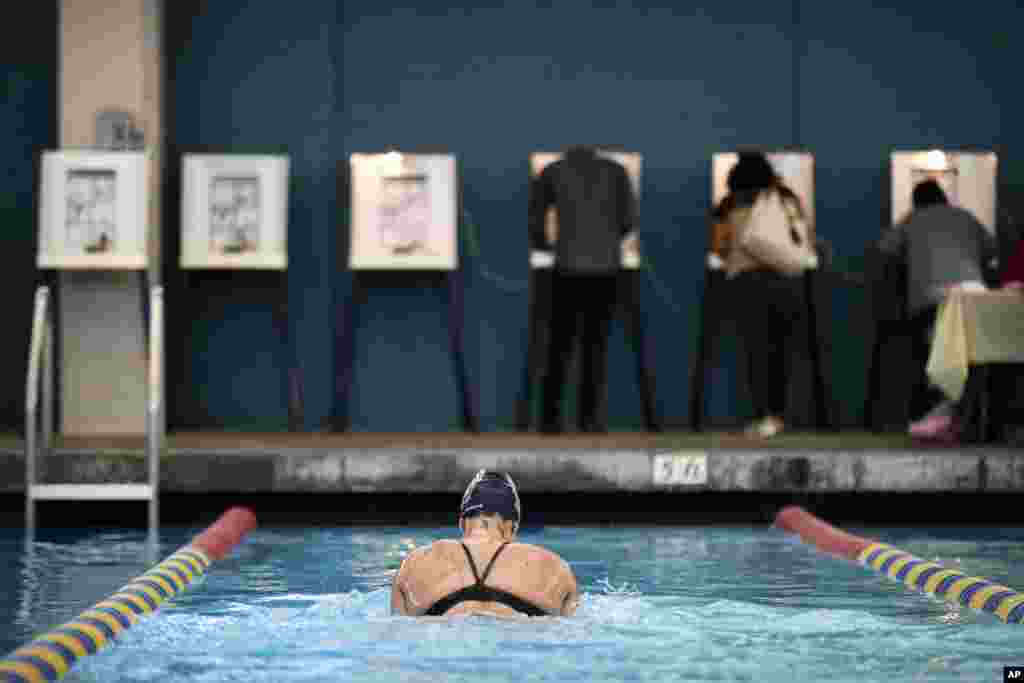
x=224 y=462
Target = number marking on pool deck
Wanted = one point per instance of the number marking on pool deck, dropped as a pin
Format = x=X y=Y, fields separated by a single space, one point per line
x=680 y=468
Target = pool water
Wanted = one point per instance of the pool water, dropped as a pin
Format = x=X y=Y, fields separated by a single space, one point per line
x=659 y=604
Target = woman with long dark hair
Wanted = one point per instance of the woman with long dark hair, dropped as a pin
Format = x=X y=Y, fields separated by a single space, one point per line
x=769 y=298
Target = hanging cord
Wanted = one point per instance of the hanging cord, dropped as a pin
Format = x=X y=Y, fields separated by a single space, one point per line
x=662 y=290
x=472 y=239
x=471 y=235
x=828 y=266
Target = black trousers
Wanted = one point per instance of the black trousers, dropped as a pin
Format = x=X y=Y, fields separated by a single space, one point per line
x=769 y=315
x=923 y=396
x=581 y=310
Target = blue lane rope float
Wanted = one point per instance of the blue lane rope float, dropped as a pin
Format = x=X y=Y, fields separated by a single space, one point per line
x=50 y=656
x=927 y=577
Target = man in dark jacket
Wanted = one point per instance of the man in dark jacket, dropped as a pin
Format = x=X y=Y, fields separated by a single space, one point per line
x=595 y=210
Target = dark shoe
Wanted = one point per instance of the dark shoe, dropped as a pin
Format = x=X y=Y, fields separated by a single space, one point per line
x=1014 y=435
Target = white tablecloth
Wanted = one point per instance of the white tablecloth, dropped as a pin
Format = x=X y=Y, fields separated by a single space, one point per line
x=975 y=327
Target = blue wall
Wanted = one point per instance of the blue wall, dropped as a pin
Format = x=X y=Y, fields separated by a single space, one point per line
x=28 y=115
x=491 y=83
x=256 y=78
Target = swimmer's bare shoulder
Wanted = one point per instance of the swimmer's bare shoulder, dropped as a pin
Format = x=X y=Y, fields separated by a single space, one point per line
x=411 y=588
x=542 y=574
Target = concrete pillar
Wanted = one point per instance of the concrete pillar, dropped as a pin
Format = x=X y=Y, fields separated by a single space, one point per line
x=110 y=58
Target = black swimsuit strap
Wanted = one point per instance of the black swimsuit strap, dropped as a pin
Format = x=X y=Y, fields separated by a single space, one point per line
x=472 y=564
x=490 y=565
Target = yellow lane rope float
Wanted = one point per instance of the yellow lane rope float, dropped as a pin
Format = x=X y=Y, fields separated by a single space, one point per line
x=50 y=656
x=928 y=577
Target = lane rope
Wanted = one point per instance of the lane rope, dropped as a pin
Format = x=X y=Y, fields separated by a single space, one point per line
x=50 y=656
x=929 y=578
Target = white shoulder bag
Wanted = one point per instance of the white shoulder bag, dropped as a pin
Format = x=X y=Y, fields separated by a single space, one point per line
x=776 y=236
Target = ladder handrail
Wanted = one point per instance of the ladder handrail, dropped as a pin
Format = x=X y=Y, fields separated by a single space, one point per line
x=156 y=344
x=155 y=426
x=35 y=353
x=35 y=360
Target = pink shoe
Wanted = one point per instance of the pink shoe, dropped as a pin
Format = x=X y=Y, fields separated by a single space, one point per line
x=931 y=427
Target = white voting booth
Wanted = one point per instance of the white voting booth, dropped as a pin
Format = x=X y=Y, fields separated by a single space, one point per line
x=968 y=178
x=633 y=163
x=795 y=168
x=403 y=227
x=404 y=212
x=93 y=215
x=93 y=211
x=234 y=212
x=234 y=217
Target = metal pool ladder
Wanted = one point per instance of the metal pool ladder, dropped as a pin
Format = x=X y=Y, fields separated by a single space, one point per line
x=41 y=367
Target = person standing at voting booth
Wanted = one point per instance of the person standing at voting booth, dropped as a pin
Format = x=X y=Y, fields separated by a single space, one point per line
x=771 y=244
x=942 y=246
x=595 y=209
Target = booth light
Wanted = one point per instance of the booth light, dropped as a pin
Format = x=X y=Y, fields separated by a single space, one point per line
x=936 y=160
x=391 y=161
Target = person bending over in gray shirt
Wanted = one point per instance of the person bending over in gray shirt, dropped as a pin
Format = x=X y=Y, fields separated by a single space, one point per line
x=941 y=246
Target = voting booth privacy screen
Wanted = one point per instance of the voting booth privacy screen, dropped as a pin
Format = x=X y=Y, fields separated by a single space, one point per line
x=968 y=179
x=795 y=168
x=234 y=212
x=404 y=212
x=94 y=210
x=632 y=162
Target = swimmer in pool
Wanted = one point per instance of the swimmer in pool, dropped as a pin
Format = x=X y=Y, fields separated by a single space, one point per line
x=486 y=571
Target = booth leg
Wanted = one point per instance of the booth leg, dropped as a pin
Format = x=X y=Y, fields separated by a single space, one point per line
x=456 y=316
x=144 y=303
x=537 y=346
x=290 y=371
x=346 y=325
x=637 y=332
x=704 y=345
x=822 y=409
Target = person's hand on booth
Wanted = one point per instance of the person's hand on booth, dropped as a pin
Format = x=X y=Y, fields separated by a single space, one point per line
x=551 y=226
x=631 y=245
x=811 y=261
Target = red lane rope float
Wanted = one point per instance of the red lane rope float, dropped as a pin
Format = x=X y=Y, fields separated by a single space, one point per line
x=50 y=656
x=928 y=577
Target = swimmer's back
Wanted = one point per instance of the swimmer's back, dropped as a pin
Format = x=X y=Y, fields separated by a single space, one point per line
x=526 y=572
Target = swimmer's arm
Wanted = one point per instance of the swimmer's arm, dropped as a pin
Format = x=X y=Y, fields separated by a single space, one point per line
x=399 y=598
x=571 y=598
x=401 y=601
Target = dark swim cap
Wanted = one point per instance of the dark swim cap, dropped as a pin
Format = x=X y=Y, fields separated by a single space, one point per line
x=491 y=493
